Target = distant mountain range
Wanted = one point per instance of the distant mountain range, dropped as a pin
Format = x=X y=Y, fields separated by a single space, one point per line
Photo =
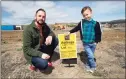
x=103 y=22
x=114 y=21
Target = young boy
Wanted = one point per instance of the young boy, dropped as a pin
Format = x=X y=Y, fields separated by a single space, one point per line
x=90 y=35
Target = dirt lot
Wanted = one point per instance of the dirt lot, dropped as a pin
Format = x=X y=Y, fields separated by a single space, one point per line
x=110 y=55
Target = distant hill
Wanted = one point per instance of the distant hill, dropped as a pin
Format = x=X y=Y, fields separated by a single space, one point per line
x=118 y=21
x=103 y=22
x=115 y=21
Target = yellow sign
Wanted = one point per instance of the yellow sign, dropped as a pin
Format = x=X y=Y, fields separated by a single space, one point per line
x=67 y=46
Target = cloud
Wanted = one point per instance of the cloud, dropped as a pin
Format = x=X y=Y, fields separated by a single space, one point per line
x=22 y=12
x=108 y=10
x=108 y=7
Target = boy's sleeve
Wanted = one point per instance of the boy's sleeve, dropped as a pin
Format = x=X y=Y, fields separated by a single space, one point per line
x=76 y=28
x=98 y=32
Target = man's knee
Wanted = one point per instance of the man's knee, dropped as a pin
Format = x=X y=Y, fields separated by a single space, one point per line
x=43 y=64
x=39 y=63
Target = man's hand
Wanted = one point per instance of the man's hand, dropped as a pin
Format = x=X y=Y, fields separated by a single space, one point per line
x=45 y=56
x=48 y=40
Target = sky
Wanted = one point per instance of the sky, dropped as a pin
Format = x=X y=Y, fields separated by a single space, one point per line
x=23 y=12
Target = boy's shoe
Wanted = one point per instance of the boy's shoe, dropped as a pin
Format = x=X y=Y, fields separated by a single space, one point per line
x=92 y=70
x=87 y=68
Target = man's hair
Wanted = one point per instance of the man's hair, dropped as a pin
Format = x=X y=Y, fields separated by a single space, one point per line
x=85 y=8
x=40 y=10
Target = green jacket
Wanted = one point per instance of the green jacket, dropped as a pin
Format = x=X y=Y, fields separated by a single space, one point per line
x=31 y=39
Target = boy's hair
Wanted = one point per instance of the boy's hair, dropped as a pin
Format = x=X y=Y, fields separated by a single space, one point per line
x=40 y=10
x=85 y=8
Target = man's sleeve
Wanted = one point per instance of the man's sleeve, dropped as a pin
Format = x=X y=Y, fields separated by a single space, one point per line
x=27 y=42
x=76 y=28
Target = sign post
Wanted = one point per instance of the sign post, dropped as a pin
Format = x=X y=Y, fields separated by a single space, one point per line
x=67 y=46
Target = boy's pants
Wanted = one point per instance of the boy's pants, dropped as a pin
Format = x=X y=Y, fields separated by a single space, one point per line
x=40 y=63
x=90 y=49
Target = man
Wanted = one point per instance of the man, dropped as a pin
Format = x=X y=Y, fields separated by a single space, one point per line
x=39 y=42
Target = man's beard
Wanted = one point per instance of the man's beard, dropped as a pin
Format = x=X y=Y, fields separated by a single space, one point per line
x=40 y=23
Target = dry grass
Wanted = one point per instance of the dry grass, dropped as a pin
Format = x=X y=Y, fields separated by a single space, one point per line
x=110 y=55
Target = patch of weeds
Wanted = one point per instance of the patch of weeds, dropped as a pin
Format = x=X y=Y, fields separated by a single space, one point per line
x=124 y=66
x=3 y=51
x=19 y=49
x=118 y=55
x=19 y=40
x=4 y=42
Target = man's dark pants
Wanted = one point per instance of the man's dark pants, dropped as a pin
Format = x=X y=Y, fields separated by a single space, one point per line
x=40 y=63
